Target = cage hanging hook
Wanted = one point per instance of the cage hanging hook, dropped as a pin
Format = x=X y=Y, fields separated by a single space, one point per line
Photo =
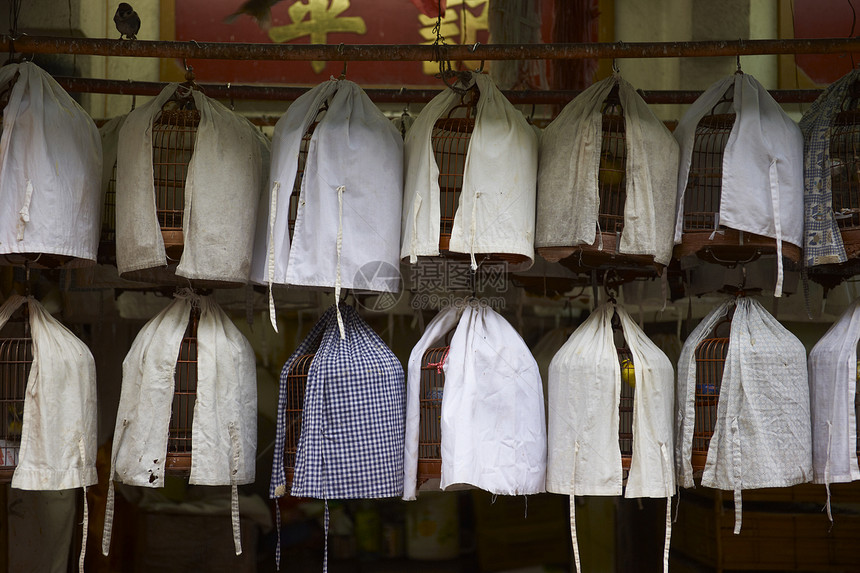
x=738 y=56
x=230 y=94
x=615 y=68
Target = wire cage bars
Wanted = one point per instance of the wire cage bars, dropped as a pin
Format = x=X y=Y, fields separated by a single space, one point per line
x=710 y=358
x=174 y=132
x=16 y=359
x=430 y=416
x=702 y=197
x=845 y=170
x=107 y=238
x=450 y=143
x=178 y=460
x=611 y=173
x=296 y=382
x=625 y=406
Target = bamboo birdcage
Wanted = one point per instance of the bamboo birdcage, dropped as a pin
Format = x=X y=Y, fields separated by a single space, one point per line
x=845 y=170
x=710 y=357
x=16 y=359
x=296 y=382
x=702 y=197
x=178 y=460
x=174 y=134
x=628 y=391
x=612 y=196
x=430 y=412
x=450 y=143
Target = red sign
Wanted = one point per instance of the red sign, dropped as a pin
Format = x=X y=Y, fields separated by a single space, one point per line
x=327 y=22
x=825 y=19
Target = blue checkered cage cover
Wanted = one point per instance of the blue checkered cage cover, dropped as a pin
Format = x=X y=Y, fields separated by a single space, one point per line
x=352 y=435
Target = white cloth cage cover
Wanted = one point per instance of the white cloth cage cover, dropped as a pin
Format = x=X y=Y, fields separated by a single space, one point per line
x=224 y=425
x=493 y=418
x=762 y=164
x=347 y=228
x=833 y=385
x=584 y=457
x=570 y=150
x=58 y=436
x=50 y=169
x=496 y=213
x=762 y=436
x=224 y=180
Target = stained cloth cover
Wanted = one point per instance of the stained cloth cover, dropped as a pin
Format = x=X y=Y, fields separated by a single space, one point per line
x=224 y=426
x=822 y=241
x=348 y=218
x=584 y=393
x=762 y=436
x=568 y=199
x=58 y=434
x=493 y=417
x=50 y=169
x=833 y=383
x=58 y=438
x=351 y=440
x=496 y=213
x=222 y=190
x=762 y=165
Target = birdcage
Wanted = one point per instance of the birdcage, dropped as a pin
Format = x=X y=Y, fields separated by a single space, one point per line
x=450 y=142
x=845 y=170
x=612 y=195
x=107 y=238
x=430 y=416
x=300 y=168
x=16 y=358
x=702 y=197
x=296 y=381
x=178 y=460
x=625 y=402
x=174 y=133
x=710 y=357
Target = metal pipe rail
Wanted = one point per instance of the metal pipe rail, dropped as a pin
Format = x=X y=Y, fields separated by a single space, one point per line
x=284 y=93
x=403 y=53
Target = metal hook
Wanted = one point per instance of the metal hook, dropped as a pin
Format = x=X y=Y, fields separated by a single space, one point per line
x=342 y=75
x=738 y=56
x=232 y=105
x=615 y=68
x=133 y=98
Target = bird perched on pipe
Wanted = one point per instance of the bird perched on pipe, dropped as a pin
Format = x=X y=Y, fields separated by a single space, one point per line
x=127 y=21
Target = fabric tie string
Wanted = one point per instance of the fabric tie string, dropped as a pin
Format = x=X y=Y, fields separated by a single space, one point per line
x=736 y=471
x=827 y=470
x=666 y=476
x=109 y=504
x=24 y=213
x=235 y=446
x=340 y=190
x=86 y=524
x=573 y=509
x=777 y=223
x=270 y=259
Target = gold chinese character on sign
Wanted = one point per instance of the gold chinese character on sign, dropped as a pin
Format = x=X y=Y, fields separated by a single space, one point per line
x=316 y=19
x=461 y=23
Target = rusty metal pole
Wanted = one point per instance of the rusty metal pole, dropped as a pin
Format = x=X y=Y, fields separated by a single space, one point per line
x=402 y=53
x=378 y=95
